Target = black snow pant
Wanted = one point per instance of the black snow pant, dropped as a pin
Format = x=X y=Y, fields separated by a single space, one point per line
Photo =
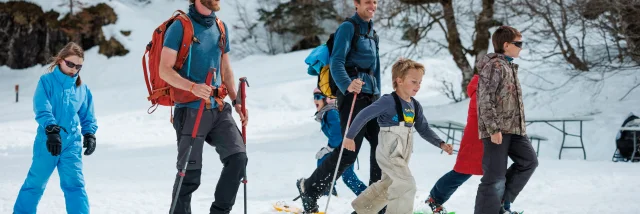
x=499 y=183
x=320 y=180
x=218 y=129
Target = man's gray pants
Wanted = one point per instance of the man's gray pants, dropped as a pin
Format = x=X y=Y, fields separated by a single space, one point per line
x=219 y=130
x=499 y=183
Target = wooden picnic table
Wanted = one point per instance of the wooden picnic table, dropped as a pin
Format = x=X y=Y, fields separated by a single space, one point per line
x=564 y=121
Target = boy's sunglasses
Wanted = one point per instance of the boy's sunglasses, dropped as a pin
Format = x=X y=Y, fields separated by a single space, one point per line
x=72 y=65
x=318 y=96
x=517 y=44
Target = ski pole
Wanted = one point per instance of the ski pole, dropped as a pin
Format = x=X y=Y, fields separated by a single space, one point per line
x=243 y=96
x=333 y=181
x=193 y=139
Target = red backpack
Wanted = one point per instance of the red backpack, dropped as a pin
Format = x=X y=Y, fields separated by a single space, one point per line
x=160 y=92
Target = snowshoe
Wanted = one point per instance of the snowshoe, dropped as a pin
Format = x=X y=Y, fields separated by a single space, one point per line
x=282 y=206
x=435 y=207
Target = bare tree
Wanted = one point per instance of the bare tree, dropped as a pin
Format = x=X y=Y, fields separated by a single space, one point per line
x=560 y=27
x=445 y=11
x=299 y=18
x=448 y=90
x=73 y=4
x=619 y=19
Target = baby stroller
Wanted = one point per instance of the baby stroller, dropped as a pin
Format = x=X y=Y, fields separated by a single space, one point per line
x=625 y=143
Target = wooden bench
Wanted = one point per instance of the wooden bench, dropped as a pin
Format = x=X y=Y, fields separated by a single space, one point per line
x=533 y=137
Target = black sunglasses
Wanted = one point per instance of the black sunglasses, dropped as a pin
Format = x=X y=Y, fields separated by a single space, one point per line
x=72 y=65
x=517 y=44
x=318 y=96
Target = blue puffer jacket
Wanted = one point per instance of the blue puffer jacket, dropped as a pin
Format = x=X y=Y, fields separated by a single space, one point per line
x=331 y=127
x=58 y=101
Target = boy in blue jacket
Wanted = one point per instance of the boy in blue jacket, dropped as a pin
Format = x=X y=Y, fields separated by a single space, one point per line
x=329 y=119
x=61 y=103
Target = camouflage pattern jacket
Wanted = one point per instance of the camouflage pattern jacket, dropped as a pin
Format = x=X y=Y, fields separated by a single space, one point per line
x=499 y=97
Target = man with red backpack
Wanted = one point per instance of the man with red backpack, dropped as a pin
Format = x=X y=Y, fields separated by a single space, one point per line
x=194 y=51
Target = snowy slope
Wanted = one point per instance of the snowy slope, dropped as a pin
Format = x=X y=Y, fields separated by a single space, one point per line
x=132 y=170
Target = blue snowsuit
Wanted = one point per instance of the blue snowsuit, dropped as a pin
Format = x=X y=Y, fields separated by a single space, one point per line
x=331 y=128
x=58 y=101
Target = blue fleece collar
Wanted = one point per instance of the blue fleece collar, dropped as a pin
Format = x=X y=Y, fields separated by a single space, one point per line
x=64 y=79
x=361 y=21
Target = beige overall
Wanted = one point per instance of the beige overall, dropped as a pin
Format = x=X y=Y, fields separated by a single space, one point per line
x=397 y=188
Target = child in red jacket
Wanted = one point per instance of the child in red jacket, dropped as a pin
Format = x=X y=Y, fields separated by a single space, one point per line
x=469 y=160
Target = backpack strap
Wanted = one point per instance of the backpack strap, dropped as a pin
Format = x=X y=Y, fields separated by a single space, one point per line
x=221 y=92
x=222 y=43
x=356 y=33
x=398 y=107
x=376 y=39
x=187 y=39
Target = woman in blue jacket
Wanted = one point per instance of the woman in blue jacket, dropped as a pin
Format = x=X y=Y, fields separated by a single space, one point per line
x=61 y=102
x=329 y=119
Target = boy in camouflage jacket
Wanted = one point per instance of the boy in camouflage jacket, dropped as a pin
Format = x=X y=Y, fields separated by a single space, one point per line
x=502 y=126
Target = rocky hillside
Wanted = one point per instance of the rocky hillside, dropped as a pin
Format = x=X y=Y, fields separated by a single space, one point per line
x=30 y=36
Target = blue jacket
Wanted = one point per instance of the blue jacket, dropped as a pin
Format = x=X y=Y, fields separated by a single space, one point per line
x=58 y=101
x=331 y=127
x=365 y=56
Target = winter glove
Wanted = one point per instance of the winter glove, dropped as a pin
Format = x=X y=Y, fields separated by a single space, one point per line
x=323 y=151
x=54 y=143
x=89 y=143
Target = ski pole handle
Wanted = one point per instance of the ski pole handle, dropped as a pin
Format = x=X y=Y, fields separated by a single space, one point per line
x=243 y=96
x=202 y=102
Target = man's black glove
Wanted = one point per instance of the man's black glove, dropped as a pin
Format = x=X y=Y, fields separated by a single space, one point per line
x=89 y=143
x=54 y=143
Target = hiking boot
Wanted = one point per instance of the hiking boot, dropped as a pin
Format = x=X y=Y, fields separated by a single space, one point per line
x=507 y=211
x=435 y=207
x=308 y=203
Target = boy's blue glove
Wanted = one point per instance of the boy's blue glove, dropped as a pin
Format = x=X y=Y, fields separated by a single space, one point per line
x=323 y=151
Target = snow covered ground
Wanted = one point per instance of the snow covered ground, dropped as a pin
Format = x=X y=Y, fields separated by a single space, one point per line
x=132 y=170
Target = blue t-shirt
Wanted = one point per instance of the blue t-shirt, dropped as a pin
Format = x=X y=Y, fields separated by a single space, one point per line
x=204 y=55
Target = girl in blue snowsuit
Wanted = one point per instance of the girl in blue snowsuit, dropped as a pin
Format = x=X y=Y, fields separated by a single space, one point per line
x=329 y=119
x=61 y=102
